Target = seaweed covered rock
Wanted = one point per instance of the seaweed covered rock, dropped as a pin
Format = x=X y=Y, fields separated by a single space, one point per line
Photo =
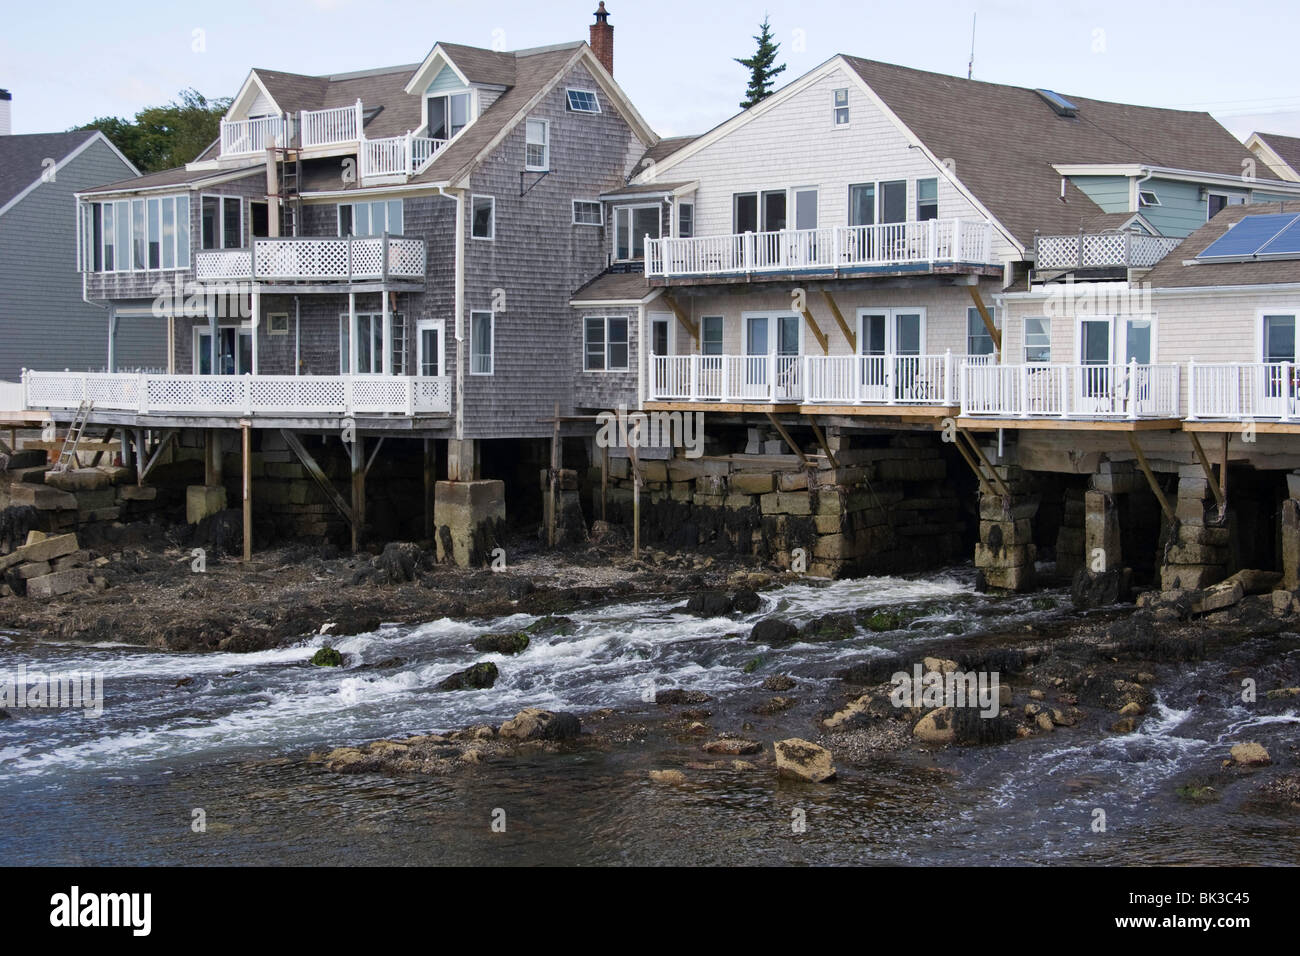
x=532 y=723
x=479 y=676
x=327 y=657
x=774 y=631
x=513 y=643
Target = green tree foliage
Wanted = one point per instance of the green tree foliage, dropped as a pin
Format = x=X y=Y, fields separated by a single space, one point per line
x=161 y=137
x=762 y=74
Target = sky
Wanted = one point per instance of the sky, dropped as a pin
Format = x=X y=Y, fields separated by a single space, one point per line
x=70 y=61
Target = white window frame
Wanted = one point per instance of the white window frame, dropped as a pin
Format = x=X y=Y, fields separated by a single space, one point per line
x=773 y=338
x=471 y=110
x=373 y=320
x=492 y=219
x=1024 y=338
x=1143 y=202
x=203 y=328
x=630 y=210
x=221 y=222
x=492 y=341
x=569 y=91
x=607 y=344
x=338 y=212
x=545 y=143
x=681 y=205
x=600 y=211
x=891 y=315
x=722 y=341
x=668 y=319
x=837 y=109
x=972 y=317
x=1279 y=311
x=421 y=326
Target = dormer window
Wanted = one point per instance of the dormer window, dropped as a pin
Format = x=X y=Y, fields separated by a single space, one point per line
x=538 y=158
x=448 y=115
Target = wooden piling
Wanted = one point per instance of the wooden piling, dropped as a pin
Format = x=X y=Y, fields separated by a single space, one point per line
x=247 y=428
x=430 y=482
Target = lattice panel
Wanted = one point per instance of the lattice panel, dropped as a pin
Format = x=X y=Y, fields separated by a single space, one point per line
x=228 y=264
x=433 y=394
x=379 y=394
x=405 y=257
x=367 y=258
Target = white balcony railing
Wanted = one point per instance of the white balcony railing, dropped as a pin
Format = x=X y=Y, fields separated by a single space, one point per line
x=1244 y=392
x=825 y=379
x=1099 y=250
x=1130 y=391
x=341 y=124
x=829 y=249
x=322 y=259
x=398 y=155
x=299 y=395
x=242 y=137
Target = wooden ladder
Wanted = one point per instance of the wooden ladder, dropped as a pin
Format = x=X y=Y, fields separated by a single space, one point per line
x=72 y=438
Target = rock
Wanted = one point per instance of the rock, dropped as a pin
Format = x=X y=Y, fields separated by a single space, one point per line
x=1250 y=755
x=53 y=585
x=1255 y=582
x=774 y=631
x=778 y=683
x=327 y=657
x=1125 y=725
x=1099 y=589
x=709 y=604
x=47 y=549
x=476 y=677
x=741 y=765
x=940 y=665
x=398 y=563
x=746 y=601
x=533 y=723
x=802 y=760
x=1132 y=709
x=1037 y=694
x=935 y=727
x=676 y=696
x=515 y=643
x=733 y=747
x=830 y=627
x=847 y=713
x=1222 y=595
x=774 y=705
x=673 y=778
x=1045 y=722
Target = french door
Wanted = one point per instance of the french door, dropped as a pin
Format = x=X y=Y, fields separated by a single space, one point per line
x=234 y=351
x=1108 y=349
x=772 y=335
x=890 y=366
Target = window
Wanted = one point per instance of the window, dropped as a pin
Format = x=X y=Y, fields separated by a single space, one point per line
x=234 y=350
x=223 y=222
x=744 y=213
x=259 y=220
x=483 y=217
x=370 y=343
x=587 y=213
x=538 y=149
x=605 y=344
x=1147 y=197
x=582 y=101
x=805 y=208
x=862 y=204
x=893 y=201
x=277 y=323
x=978 y=339
x=372 y=218
x=429 y=343
x=841 y=98
x=1217 y=202
x=927 y=199
x=448 y=115
x=774 y=218
x=711 y=335
x=631 y=225
x=136 y=234
x=686 y=219
x=481 y=335
x=1279 y=338
x=1038 y=340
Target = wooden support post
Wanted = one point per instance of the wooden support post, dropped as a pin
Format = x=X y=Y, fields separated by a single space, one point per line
x=166 y=440
x=985 y=487
x=993 y=475
x=6 y=450
x=108 y=437
x=211 y=457
x=786 y=436
x=683 y=318
x=551 y=503
x=313 y=469
x=1206 y=467
x=994 y=332
x=604 y=480
x=1151 y=478
x=636 y=501
x=430 y=480
x=1223 y=470
x=821 y=440
x=849 y=334
x=374 y=454
x=358 y=453
x=247 y=428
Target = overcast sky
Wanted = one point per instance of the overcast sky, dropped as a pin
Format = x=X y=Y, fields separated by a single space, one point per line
x=68 y=61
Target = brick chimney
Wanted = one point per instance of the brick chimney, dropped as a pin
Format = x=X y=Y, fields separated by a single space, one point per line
x=602 y=38
x=5 y=122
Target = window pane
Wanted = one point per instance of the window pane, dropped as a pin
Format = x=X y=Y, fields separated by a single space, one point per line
x=345 y=220
x=645 y=221
x=978 y=340
x=862 y=205
x=168 y=235
x=231 y=225
x=363 y=343
x=203 y=344
x=805 y=209
x=873 y=334
x=1139 y=341
x=746 y=212
x=182 y=227
x=378 y=213
x=459 y=112
x=711 y=335
x=774 y=211
x=757 y=344
x=396 y=226
x=893 y=201
x=1038 y=340
x=138 y=260
x=211 y=221
x=686 y=219
x=622 y=233
x=927 y=199
x=481 y=343
x=361 y=219
x=97 y=235
x=618 y=342
x=483 y=225
x=594 y=344
x=438 y=117
x=1279 y=338
x=122 y=233
x=154 y=227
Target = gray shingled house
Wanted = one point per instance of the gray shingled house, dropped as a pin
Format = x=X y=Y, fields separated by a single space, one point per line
x=44 y=320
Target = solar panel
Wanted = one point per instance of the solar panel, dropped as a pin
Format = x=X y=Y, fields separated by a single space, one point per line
x=1285 y=243
x=1249 y=236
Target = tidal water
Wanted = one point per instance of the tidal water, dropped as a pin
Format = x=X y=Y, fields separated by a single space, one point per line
x=229 y=747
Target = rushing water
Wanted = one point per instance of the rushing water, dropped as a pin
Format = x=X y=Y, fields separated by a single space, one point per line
x=231 y=741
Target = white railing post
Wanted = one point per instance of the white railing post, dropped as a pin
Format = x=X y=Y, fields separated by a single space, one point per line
x=932 y=240
x=142 y=393
x=693 y=375
x=27 y=395
x=1191 y=389
x=1024 y=391
x=963 y=387
x=410 y=154
x=725 y=383
x=771 y=377
x=947 y=377
x=1132 y=390
x=1065 y=383
x=360 y=120
x=1286 y=391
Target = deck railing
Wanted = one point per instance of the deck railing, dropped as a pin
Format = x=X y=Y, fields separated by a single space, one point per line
x=1100 y=250
x=341 y=124
x=1244 y=391
x=1130 y=391
x=397 y=155
x=303 y=395
x=242 y=137
x=324 y=258
x=827 y=249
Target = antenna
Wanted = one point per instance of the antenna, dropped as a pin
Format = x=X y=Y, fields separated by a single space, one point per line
x=970 y=66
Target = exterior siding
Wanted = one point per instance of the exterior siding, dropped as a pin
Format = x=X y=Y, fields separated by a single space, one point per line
x=45 y=322
x=1111 y=193
x=607 y=390
x=1181 y=211
x=797 y=144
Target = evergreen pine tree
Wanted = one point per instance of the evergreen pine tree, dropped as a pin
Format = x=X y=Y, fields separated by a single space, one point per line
x=762 y=74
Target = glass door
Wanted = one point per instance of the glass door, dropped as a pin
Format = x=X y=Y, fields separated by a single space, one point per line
x=1093 y=383
x=757 y=347
x=234 y=351
x=909 y=376
x=429 y=345
x=787 y=358
x=1277 y=383
x=873 y=347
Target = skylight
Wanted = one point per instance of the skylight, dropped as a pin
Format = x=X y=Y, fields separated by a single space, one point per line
x=1059 y=104
x=1273 y=236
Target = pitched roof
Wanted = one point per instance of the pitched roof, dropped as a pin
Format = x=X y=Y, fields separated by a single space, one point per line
x=1174 y=272
x=21 y=157
x=1286 y=147
x=614 y=287
x=1006 y=140
x=665 y=148
x=533 y=72
x=490 y=67
x=177 y=176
